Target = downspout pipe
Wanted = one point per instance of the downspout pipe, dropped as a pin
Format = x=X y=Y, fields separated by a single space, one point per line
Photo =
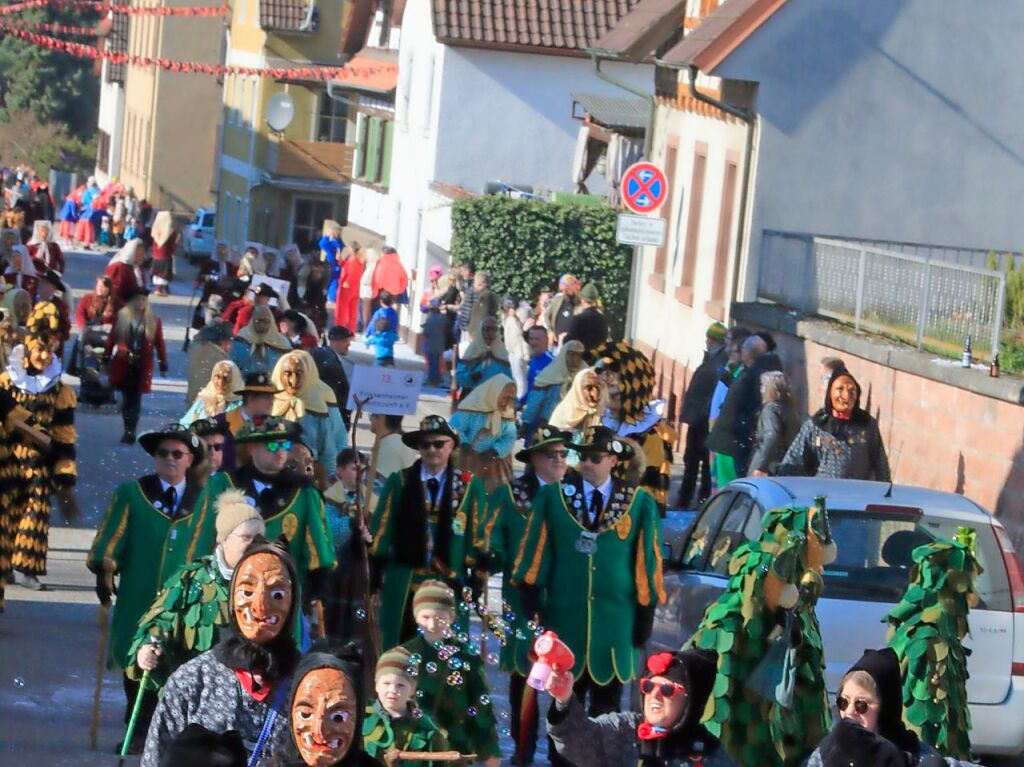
x=749 y=119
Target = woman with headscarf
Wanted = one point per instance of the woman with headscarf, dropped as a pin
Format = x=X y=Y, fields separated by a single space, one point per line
x=486 y=424
x=242 y=683
x=218 y=396
x=666 y=733
x=303 y=398
x=260 y=344
x=551 y=385
x=871 y=729
x=326 y=709
x=21 y=272
x=125 y=272
x=165 y=242
x=46 y=254
x=484 y=358
x=17 y=306
x=583 y=405
x=132 y=348
x=840 y=441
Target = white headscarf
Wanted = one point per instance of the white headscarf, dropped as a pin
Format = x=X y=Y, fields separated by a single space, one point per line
x=162 y=228
x=126 y=255
x=36 y=239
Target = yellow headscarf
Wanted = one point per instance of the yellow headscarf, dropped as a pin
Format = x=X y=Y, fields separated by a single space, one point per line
x=272 y=338
x=214 y=403
x=478 y=348
x=484 y=399
x=558 y=373
x=312 y=396
x=573 y=410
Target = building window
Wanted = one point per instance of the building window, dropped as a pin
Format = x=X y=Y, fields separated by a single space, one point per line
x=103 y=151
x=238 y=220
x=225 y=219
x=724 y=245
x=661 y=254
x=375 y=136
x=700 y=161
x=332 y=121
x=308 y=220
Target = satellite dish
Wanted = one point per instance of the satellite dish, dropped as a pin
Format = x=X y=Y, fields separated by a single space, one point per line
x=280 y=112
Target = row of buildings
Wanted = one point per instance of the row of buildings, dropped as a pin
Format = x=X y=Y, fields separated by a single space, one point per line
x=822 y=155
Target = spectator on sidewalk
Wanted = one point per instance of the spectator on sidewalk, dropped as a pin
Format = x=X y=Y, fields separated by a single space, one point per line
x=467 y=274
x=777 y=424
x=436 y=337
x=589 y=324
x=561 y=309
x=515 y=344
x=485 y=305
x=696 y=406
x=540 y=356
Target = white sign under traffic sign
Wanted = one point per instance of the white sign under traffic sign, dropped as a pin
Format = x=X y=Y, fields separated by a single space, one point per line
x=640 y=230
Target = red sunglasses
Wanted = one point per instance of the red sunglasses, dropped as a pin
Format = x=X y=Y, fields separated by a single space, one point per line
x=668 y=689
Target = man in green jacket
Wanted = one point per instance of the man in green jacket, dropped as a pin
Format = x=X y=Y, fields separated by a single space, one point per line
x=142 y=539
x=289 y=503
x=590 y=567
x=429 y=523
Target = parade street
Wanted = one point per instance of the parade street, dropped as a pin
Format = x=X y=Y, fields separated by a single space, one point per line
x=49 y=639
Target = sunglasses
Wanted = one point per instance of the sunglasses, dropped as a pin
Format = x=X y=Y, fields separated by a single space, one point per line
x=668 y=689
x=216 y=447
x=436 y=444
x=860 y=705
x=556 y=455
x=163 y=452
x=284 y=444
x=594 y=457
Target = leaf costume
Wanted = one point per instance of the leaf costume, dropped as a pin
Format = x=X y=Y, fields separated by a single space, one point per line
x=926 y=630
x=456 y=696
x=186 y=617
x=595 y=580
x=383 y=732
x=414 y=540
x=773 y=586
x=146 y=546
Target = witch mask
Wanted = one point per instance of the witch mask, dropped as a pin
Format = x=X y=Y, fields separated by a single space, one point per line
x=292 y=378
x=324 y=716
x=262 y=594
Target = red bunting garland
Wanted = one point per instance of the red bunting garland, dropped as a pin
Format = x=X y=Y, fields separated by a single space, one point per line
x=83 y=51
x=57 y=29
x=128 y=10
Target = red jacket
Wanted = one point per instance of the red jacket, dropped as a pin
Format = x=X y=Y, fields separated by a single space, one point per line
x=90 y=311
x=52 y=257
x=120 y=370
x=389 y=275
x=123 y=283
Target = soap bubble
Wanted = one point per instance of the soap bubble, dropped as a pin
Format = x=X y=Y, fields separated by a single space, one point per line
x=19 y=682
x=431 y=667
x=416 y=713
x=361 y=614
x=505 y=732
x=419 y=693
x=485 y=699
x=492 y=657
x=415 y=659
x=471 y=711
x=454 y=679
x=455 y=663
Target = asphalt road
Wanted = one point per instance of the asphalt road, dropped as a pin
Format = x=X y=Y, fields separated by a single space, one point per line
x=49 y=640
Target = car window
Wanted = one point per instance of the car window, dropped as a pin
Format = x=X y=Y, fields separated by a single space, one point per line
x=210 y=220
x=875 y=556
x=731 y=534
x=197 y=220
x=706 y=527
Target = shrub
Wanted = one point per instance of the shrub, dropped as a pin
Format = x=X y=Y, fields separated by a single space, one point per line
x=527 y=245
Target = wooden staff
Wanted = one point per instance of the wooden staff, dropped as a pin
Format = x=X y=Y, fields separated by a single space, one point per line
x=454 y=388
x=369 y=605
x=393 y=757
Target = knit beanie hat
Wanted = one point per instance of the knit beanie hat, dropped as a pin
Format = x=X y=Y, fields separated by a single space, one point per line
x=717 y=330
x=394 y=661
x=435 y=595
x=233 y=509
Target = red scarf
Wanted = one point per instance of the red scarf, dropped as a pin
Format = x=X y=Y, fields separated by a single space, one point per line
x=254 y=686
x=841 y=416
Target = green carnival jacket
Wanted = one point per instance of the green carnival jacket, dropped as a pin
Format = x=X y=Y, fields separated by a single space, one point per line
x=467 y=544
x=382 y=732
x=593 y=583
x=146 y=547
x=456 y=696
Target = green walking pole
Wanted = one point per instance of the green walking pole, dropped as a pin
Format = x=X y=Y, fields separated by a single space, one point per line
x=134 y=718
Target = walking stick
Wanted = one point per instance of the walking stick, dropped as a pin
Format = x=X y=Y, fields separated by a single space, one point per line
x=454 y=389
x=101 y=658
x=368 y=604
x=188 y=319
x=134 y=718
x=394 y=757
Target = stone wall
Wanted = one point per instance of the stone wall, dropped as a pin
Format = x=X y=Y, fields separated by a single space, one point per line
x=944 y=427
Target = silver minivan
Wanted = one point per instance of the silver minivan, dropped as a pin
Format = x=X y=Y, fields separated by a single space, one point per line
x=876 y=527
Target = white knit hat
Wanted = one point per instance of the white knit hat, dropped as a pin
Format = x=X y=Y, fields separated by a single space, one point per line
x=233 y=509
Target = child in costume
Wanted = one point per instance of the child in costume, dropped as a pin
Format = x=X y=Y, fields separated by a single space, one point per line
x=383 y=340
x=455 y=692
x=762 y=715
x=392 y=722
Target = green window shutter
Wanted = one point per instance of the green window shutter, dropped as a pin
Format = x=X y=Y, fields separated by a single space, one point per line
x=385 y=155
x=373 y=146
x=359 y=158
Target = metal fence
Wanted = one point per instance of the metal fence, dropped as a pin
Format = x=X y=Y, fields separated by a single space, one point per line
x=924 y=300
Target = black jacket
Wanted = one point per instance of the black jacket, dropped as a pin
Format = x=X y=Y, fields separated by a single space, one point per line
x=697 y=401
x=777 y=425
x=733 y=433
x=332 y=373
x=589 y=327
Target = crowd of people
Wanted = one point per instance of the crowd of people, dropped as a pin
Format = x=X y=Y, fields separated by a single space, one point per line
x=283 y=598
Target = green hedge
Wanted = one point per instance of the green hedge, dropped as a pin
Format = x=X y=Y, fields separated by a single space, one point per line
x=527 y=245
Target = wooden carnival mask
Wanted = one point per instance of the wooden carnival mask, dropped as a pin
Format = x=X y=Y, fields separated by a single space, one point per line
x=261 y=597
x=324 y=717
x=292 y=376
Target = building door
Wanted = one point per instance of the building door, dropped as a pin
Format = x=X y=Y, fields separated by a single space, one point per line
x=308 y=216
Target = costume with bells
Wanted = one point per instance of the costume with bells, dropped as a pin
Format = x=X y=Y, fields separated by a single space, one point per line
x=627 y=740
x=29 y=472
x=237 y=684
x=416 y=536
x=767 y=610
x=188 y=614
x=926 y=629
